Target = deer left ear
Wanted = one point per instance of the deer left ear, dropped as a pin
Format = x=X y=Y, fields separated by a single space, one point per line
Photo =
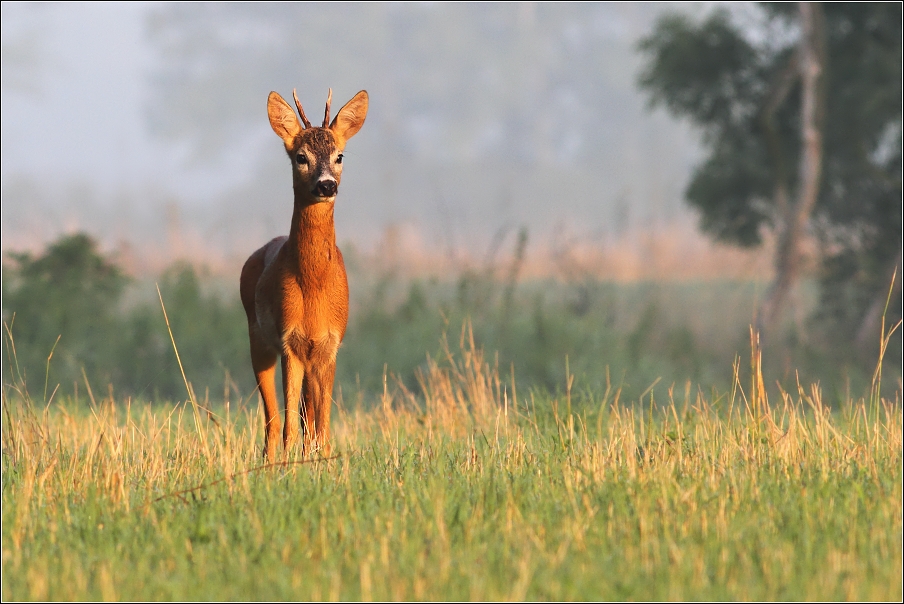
x=351 y=117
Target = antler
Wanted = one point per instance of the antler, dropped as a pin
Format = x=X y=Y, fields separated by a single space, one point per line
x=326 y=114
x=304 y=118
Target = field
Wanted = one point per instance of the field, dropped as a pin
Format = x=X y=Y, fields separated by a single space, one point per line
x=463 y=487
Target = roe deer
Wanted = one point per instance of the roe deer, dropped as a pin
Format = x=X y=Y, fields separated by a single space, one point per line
x=294 y=289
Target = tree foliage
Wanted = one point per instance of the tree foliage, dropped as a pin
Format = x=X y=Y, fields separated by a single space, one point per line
x=740 y=91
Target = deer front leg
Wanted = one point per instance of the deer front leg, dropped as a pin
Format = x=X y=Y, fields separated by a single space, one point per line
x=293 y=374
x=325 y=409
x=310 y=391
x=318 y=388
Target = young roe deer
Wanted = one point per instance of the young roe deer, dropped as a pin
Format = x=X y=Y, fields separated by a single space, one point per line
x=294 y=289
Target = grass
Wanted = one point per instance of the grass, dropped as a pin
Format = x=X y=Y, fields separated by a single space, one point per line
x=463 y=488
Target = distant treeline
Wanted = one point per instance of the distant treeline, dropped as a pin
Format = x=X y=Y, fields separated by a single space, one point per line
x=74 y=320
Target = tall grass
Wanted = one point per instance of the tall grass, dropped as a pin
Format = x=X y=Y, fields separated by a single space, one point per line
x=464 y=486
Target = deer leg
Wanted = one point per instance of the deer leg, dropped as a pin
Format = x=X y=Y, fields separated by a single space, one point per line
x=318 y=388
x=310 y=424
x=326 y=406
x=293 y=375
x=264 y=364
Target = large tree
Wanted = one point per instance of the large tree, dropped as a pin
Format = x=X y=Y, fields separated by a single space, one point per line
x=800 y=113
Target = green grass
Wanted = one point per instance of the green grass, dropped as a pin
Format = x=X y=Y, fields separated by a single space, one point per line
x=462 y=488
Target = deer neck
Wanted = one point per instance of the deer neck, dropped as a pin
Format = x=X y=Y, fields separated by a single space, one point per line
x=312 y=236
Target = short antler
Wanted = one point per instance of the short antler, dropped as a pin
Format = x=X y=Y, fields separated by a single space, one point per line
x=326 y=114
x=304 y=118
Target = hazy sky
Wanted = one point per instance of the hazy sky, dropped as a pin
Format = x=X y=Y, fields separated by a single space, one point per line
x=79 y=149
x=75 y=93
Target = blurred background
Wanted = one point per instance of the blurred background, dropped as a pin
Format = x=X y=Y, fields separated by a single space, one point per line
x=597 y=182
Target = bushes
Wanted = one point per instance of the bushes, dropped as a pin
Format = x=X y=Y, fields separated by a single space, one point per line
x=69 y=295
x=69 y=301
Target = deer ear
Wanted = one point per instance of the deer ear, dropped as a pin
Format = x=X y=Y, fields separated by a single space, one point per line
x=282 y=119
x=351 y=117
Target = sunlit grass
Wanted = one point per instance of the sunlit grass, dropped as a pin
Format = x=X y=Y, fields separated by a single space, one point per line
x=461 y=489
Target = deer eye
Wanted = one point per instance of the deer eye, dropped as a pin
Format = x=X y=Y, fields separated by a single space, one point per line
x=301 y=158
x=339 y=159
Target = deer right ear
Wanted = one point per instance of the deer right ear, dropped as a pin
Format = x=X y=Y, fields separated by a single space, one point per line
x=282 y=119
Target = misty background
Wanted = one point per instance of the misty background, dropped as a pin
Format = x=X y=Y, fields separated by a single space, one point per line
x=145 y=126
x=511 y=177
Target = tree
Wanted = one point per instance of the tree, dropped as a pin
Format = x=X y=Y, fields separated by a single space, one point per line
x=818 y=87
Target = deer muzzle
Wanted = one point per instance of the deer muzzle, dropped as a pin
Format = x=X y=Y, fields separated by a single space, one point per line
x=326 y=188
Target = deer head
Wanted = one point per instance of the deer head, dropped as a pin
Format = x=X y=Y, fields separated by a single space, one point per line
x=316 y=152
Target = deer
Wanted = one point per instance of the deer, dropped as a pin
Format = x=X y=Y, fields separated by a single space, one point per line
x=294 y=289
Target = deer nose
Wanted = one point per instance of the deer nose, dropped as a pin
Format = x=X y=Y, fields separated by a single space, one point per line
x=326 y=188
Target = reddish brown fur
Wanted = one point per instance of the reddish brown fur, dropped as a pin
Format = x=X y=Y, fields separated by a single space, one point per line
x=294 y=289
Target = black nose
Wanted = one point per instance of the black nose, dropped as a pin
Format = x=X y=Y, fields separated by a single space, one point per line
x=325 y=188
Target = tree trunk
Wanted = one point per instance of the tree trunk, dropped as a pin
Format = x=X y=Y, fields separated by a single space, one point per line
x=789 y=255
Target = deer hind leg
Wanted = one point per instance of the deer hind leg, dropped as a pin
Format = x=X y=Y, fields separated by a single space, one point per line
x=264 y=364
x=293 y=374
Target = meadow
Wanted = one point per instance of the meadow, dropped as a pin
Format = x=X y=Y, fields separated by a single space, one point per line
x=495 y=438
x=464 y=487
